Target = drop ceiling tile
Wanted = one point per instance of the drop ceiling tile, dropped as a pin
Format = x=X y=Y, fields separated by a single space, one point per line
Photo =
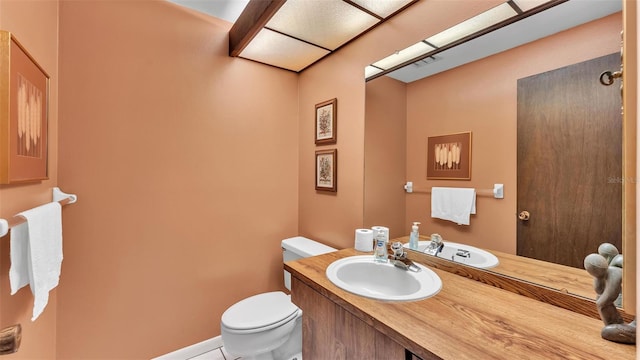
x=370 y=71
x=327 y=23
x=382 y=8
x=270 y=47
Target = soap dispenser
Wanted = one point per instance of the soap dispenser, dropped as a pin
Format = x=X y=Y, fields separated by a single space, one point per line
x=380 y=252
x=414 y=237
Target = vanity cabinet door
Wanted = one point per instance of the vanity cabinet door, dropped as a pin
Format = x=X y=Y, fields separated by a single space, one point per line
x=330 y=332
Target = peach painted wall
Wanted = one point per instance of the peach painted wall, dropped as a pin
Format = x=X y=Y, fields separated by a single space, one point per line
x=185 y=163
x=163 y=138
x=385 y=139
x=481 y=97
x=35 y=25
x=333 y=218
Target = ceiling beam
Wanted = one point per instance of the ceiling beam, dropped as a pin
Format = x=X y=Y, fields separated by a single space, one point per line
x=254 y=17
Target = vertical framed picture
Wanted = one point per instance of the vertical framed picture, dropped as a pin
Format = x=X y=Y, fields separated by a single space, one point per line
x=327 y=170
x=326 y=122
x=24 y=105
x=449 y=156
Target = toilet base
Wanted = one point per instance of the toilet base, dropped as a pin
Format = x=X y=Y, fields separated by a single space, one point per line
x=270 y=356
x=296 y=357
x=291 y=349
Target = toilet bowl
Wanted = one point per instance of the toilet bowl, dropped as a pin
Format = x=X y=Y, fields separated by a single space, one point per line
x=256 y=326
x=268 y=326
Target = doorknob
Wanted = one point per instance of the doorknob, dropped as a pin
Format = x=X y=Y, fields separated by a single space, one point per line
x=607 y=77
x=524 y=215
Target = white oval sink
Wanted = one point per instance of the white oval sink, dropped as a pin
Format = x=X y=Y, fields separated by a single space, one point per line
x=363 y=276
x=465 y=254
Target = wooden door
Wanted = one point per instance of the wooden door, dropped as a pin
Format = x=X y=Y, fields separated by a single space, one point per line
x=569 y=162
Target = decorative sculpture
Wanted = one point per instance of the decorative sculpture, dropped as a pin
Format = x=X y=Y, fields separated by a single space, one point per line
x=606 y=269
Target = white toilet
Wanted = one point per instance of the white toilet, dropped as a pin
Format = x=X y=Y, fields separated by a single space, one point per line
x=269 y=326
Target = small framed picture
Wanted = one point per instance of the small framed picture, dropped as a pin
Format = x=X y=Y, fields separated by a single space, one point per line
x=326 y=121
x=449 y=156
x=327 y=170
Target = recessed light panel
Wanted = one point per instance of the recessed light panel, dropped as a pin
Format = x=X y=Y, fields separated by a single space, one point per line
x=327 y=23
x=404 y=55
x=382 y=8
x=475 y=24
x=275 y=49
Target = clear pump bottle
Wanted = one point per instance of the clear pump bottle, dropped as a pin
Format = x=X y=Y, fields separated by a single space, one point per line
x=380 y=252
x=414 y=238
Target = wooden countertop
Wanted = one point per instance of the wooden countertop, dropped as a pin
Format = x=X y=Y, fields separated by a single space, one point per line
x=469 y=320
x=564 y=278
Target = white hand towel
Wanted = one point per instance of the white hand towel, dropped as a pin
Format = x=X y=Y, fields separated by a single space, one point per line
x=36 y=248
x=453 y=204
x=19 y=254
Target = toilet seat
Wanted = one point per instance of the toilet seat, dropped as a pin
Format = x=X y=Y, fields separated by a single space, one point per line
x=259 y=313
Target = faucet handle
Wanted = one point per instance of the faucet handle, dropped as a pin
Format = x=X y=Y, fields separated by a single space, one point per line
x=398 y=250
x=436 y=238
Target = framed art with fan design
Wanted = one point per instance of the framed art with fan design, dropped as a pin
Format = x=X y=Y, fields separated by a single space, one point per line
x=449 y=156
x=24 y=105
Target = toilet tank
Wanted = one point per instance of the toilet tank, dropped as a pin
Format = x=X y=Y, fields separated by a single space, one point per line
x=299 y=247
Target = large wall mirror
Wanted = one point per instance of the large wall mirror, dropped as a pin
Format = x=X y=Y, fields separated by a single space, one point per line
x=473 y=87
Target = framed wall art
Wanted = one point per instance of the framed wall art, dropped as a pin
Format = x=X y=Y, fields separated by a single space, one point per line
x=449 y=156
x=24 y=105
x=327 y=170
x=326 y=122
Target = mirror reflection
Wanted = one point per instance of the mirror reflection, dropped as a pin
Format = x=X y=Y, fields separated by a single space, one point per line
x=483 y=86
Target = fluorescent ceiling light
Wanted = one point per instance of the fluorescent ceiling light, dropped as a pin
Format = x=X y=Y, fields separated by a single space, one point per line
x=404 y=55
x=526 y=5
x=279 y=50
x=475 y=24
x=382 y=8
x=371 y=70
x=328 y=24
x=321 y=26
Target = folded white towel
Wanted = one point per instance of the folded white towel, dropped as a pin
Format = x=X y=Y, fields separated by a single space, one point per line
x=36 y=253
x=453 y=204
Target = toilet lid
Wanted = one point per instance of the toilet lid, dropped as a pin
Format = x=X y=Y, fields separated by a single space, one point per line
x=259 y=311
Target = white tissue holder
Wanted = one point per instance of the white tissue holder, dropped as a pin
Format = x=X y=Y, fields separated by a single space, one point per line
x=57 y=195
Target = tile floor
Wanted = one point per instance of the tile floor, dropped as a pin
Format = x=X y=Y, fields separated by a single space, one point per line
x=215 y=354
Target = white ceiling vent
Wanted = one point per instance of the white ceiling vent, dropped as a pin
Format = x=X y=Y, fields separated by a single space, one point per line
x=426 y=61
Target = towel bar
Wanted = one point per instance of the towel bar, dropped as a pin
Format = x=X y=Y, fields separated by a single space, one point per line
x=57 y=195
x=497 y=191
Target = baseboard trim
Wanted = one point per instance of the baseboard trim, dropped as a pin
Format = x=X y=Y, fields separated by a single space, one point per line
x=193 y=350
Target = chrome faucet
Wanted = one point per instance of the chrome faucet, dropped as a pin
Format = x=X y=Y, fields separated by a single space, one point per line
x=435 y=246
x=399 y=258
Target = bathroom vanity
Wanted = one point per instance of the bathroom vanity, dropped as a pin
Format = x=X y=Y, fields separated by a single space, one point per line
x=467 y=319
